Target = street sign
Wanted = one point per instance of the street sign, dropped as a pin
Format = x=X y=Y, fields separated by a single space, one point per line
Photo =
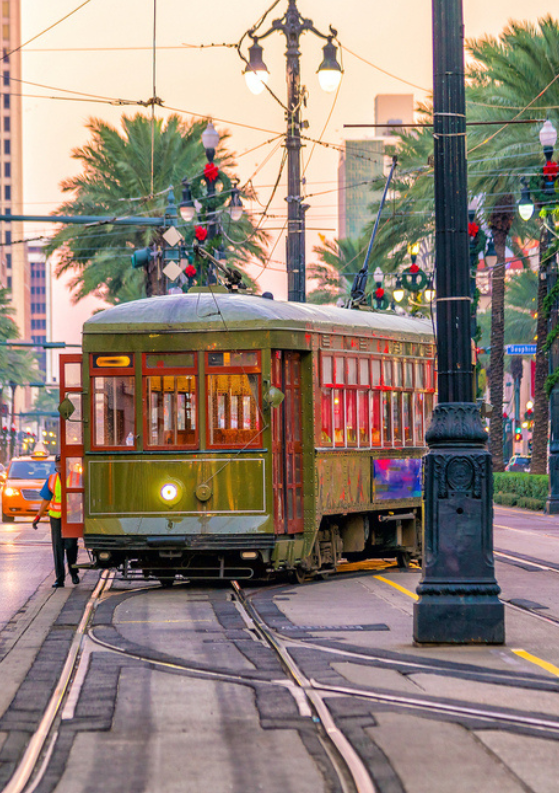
x=520 y=349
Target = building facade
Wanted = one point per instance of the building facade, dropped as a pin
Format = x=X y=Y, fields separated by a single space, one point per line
x=14 y=264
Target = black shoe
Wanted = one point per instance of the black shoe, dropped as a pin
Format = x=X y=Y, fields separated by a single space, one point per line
x=57 y=584
x=75 y=578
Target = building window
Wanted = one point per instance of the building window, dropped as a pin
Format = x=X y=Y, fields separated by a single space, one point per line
x=9 y=261
x=5 y=32
x=9 y=282
x=7 y=147
x=6 y=9
x=8 y=239
x=6 y=101
x=8 y=170
x=6 y=123
x=6 y=78
x=7 y=192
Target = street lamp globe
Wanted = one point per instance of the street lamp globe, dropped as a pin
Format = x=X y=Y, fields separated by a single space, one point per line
x=525 y=205
x=490 y=254
x=235 y=207
x=186 y=206
x=548 y=135
x=398 y=293
x=329 y=71
x=210 y=137
x=429 y=291
x=256 y=72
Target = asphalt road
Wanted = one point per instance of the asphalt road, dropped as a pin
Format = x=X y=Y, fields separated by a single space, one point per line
x=176 y=692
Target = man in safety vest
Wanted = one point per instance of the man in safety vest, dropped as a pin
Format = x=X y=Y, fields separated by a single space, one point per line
x=52 y=500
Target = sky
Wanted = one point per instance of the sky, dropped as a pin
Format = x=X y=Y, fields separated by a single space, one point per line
x=98 y=51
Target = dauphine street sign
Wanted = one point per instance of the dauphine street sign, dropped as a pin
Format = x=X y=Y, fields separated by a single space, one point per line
x=520 y=349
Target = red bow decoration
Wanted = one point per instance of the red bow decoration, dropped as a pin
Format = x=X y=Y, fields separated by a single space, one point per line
x=211 y=171
x=190 y=270
x=551 y=169
x=200 y=233
x=473 y=229
x=379 y=293
x=414 y=268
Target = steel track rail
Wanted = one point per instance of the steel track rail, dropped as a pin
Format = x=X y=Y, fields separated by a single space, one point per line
x=344 y=751
x=487 y=714
x=26 y=767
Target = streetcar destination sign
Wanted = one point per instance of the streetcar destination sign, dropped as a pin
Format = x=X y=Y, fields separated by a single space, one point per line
x=520 y=349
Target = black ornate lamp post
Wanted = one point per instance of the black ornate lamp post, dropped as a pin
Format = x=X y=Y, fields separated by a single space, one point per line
x=458 y=594
x=292 y=25
x=208 y=208
x=546 y=369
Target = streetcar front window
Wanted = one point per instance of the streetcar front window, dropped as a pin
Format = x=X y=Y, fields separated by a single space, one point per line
x=113 y=411
x=233 y=389
x=172 y=411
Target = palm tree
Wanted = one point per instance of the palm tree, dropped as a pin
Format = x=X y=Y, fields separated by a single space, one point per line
x=116 y=180
x=336 y=267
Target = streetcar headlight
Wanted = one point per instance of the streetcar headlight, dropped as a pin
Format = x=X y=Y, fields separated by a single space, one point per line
x=169 y=492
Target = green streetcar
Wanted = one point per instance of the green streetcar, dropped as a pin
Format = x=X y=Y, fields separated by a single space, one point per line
x=229 y=436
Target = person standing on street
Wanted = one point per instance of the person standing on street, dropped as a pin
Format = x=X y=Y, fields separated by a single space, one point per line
x=51 y=494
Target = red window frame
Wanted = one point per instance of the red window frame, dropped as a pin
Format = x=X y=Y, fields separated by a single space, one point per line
x=171 y=371
x=117 y=371
x=215 y=370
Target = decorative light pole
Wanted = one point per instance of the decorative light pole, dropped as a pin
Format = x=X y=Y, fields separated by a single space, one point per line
x=207 y=208
x=292 y=25
x=458 y=594
x=547 y=368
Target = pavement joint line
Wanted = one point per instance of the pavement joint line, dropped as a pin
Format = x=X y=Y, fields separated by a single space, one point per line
x=157 y=622
x=533 y=659
x=397 y=586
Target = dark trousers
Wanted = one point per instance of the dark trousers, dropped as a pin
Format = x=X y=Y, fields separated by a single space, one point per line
x=59 y=545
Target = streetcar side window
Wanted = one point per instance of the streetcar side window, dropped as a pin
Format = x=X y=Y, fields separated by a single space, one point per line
x=113 y=412
x=233 y=389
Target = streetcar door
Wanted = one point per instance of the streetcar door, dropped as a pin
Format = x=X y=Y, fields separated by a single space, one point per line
x=287 y=446
x=71 y=447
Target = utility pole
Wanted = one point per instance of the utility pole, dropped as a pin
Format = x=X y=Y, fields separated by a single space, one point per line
x=458 y=594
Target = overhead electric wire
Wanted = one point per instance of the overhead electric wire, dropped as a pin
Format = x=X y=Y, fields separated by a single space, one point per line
x=46 y=30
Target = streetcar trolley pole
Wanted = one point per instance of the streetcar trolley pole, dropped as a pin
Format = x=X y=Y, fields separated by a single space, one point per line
x=458 y=594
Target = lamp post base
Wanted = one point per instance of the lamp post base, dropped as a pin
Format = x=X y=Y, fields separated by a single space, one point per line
x=459 y=619
x=458 y=594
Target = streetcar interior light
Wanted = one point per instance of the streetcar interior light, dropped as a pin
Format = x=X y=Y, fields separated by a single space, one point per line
x=249 y=554
x=169 y=492
x=104 y=556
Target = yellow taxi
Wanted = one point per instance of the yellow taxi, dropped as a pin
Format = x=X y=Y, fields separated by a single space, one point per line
x=22 y=486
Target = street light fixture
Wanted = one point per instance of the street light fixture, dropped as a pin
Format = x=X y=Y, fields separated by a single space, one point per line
x=256 y=72
x=292 y=25
x=490 y=254
x=525 y=205
x=545 y=411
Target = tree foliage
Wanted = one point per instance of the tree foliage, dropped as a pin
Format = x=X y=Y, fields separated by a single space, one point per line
x=116 y=181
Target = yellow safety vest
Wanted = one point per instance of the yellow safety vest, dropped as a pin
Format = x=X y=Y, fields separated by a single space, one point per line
x=55 y=487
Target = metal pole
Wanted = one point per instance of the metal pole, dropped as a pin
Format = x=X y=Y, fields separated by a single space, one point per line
x=295 y=217
x=458 y=595
x=552 y=502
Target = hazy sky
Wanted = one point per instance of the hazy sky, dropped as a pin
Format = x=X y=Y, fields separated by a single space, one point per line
x=93 y=52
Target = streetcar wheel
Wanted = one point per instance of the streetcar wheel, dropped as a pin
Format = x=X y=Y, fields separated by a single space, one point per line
x=7 y=518
x=166 y=581
x=404 y=559
x=298 y=575
x=324 y=575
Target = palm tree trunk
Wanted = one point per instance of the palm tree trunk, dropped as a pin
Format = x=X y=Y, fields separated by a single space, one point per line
x=497 y=358
x=538 y=464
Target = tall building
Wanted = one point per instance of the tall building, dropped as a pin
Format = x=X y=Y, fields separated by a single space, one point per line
x=393 y=109
x=360 y=171
x=14 y=266
x=39 y=297
x=361 y=165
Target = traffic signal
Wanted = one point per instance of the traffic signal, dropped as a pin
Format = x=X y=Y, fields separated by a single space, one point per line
x=142 y=257
x=517 y=434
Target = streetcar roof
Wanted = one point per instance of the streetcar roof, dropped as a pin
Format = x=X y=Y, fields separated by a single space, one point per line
x=212 y=311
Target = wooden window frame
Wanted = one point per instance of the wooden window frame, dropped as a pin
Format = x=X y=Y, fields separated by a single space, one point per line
x=171 y=371
x=209 y=371
x=117 y=371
